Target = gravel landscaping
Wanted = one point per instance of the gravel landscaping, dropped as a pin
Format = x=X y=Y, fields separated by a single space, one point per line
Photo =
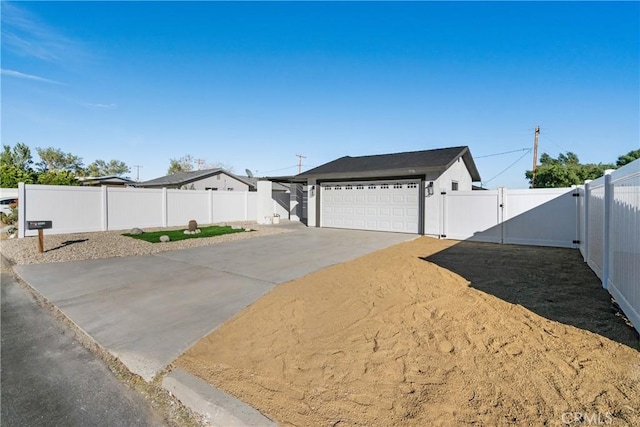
x=95 y=245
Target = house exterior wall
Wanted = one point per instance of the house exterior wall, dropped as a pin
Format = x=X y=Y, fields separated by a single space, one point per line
x=457 y=172
x=221 y=181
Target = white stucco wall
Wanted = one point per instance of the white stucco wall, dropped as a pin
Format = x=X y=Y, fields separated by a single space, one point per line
x=221 y=181
x=433 y=204
x=312 y=193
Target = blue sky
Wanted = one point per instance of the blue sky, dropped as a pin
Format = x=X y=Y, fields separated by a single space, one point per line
x=253 y=84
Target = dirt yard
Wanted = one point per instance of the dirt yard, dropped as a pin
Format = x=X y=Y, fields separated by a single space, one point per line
x=433 y=332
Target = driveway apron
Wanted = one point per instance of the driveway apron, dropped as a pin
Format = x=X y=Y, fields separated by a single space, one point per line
x=147 y=310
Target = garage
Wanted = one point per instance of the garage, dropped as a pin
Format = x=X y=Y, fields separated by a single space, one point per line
x=371 y=205
x=396 y=192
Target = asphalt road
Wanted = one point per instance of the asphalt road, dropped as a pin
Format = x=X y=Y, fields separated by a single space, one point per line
x=49 y=378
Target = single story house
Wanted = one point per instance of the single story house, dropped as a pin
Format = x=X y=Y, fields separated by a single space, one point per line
x=216 y=179
x=108 y=180
x=389 y=192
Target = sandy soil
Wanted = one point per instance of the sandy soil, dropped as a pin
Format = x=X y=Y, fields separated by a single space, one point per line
x=433 y=332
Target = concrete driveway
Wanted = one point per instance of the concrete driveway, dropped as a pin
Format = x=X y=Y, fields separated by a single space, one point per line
x=148 y=310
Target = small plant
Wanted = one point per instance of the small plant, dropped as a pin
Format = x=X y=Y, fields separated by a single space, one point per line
x=175 y=235
x=10 y=219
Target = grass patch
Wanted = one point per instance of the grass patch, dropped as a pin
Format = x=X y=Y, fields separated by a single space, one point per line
x=175 y=235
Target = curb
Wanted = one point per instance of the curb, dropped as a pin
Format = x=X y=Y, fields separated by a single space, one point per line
x=217 y=408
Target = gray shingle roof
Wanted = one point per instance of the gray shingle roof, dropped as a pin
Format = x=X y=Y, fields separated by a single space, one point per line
x=398 y=164
x=182 y=178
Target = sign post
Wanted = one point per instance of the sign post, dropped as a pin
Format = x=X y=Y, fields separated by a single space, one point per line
x=40 y=225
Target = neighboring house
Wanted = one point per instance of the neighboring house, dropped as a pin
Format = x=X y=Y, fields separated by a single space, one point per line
x=109 y=180
x=391 y=192
x=210 y=179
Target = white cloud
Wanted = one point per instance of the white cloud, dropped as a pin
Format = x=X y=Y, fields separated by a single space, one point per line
x=103 y=106
x=24 y=34
x=20 y=75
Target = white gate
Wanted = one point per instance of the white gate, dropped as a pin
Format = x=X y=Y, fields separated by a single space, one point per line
x=539 y=217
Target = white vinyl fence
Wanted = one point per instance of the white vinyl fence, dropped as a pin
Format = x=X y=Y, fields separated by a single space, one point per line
x=86 y=209
x=538 y=217
x=610 y=235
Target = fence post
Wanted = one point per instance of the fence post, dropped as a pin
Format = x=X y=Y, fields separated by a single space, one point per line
x=210 y=196
x=164 y=206
x=22 y=201
x=502 y=200
x=606 y=235
x=265 y=202
x=443 y=215
x=586 y=218
x=105 y=208
x=576 y=235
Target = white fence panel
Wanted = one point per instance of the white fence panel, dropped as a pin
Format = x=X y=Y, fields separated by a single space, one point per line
x=582 y=223
x=87 y=209
x=624 y=241
x=252 y=206
x=229 y=206
x=595 y=225
x=72 y=209
x=540 y=217
x=281 y=203
x=185 y=205
x=472 y=215
x=134 y=207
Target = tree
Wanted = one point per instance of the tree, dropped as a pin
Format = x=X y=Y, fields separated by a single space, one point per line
x=628 y=158
x=183 y=164
x=565 y=171
x=15 y=166
x=102 y=168
x=54 y=159
x=11 y=175
x=20 y=156
x=58 y=177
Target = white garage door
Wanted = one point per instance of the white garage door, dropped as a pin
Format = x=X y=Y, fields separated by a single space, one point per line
x=379 y=206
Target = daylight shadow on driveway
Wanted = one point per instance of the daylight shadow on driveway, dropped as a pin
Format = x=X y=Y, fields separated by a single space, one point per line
x=552 y=282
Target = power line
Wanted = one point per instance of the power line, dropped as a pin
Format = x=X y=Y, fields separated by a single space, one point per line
x=553 y=142
x=508 y=167
x=281 y=169
x=500 y=154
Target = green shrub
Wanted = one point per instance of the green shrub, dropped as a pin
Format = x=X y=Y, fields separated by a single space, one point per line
x=11 y=218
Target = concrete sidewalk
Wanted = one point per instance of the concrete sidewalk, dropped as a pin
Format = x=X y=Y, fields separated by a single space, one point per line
x=148 y=310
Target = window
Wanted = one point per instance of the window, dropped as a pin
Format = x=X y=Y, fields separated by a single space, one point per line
x=454 y=185
x=359 y=187
x=412 y=185
x=212 y=188
x=384 y=186
x=348 y=187
x=230 y=189
x=372 y=186
x=338 y=187
x=397 y=185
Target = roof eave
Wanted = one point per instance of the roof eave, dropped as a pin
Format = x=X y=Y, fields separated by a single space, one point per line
x=386 y=173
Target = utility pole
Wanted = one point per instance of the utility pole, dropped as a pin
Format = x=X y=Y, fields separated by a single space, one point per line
x=300 y=157
x=200 y=162
x=535 y=156
x=137 y=172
